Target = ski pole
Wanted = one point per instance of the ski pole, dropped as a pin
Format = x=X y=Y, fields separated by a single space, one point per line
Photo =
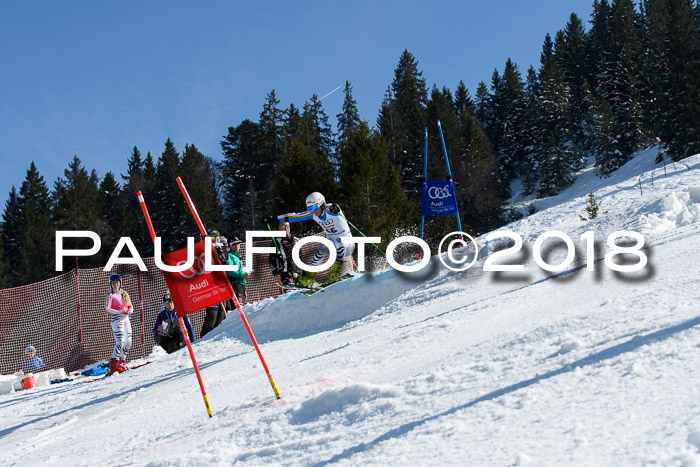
x=267 y=223
x=360 y=232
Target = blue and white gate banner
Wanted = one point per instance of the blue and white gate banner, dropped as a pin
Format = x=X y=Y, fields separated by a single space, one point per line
x=438 y=199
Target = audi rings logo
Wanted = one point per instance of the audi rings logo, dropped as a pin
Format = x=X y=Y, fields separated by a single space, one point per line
x=435 y=192
x=197 y=268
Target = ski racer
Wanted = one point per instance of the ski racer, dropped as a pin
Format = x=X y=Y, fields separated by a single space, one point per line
x=331 y=219
x=118 y=305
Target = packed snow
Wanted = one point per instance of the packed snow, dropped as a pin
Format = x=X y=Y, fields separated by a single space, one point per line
x=435 y=367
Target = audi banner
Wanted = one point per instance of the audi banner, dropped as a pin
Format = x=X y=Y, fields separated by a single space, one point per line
x=438 y=199
x=195 y=289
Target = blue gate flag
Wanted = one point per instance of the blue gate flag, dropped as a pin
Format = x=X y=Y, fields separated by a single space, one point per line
x=438 y=198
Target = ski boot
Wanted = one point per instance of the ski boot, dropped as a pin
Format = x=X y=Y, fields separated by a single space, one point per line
x=121 y=366
x=113 y=367
x=334 y=275
x=307 y=279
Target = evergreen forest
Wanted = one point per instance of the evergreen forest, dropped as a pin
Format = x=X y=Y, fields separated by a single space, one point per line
x=626 y=79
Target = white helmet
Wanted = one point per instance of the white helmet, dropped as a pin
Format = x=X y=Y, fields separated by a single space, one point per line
x=315 y=199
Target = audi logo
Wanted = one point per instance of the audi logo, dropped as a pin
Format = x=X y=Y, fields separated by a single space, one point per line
x=435 y=192
x=197 y=268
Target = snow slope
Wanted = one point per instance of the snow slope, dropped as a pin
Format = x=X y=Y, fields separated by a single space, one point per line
x=430 y=368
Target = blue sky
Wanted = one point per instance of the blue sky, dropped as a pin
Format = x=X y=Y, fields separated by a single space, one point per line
x=95 y=79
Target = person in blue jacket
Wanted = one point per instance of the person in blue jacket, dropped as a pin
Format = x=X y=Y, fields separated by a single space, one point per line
x=32 y=363
x=166 y=331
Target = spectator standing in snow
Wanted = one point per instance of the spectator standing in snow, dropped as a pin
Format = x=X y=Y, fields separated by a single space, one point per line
x=237 y=278
x=118 y=305
x=166 y=331
x=31 y=362
x=215 y=314
x=331 y=219
x=282 y=266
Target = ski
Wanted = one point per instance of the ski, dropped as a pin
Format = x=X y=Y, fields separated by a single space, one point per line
x=100 y=377
x=321 y=288
x=140 y=365
x=292 y=287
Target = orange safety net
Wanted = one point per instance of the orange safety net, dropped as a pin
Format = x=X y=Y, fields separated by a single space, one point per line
x=65 y=319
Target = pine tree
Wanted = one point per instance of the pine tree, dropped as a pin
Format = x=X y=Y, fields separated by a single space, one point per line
x=597 y=43
x=113 y=214
x=294 y=180
x=401 y=121
x=149 y=168
x=349 y=119
x=317 y=137
x=512 y=132
x=492 y=116
x=618 y=67
x=169 y=212
x=4 y=279
x=76 y=207
x=530 y=169
x=134 y=165
x=199 y=175
x=371 y=190
x=241 y=201
x=463 y=100
x=554 y=154
x=483 y=99
x=28 y=232
x=316 y=132
x=140 y=177
x=570 y=56
x=607 y=157
x=292 y=127
x=14 y=240
x=270 y=143
x=441 y=107
x=676 y=46
x=592 y=208
x=652 y=27
x=625 y=99
x=386 y=123
x=475 y=172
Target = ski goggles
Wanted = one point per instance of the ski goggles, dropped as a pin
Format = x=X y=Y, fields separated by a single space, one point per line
x=314 y=207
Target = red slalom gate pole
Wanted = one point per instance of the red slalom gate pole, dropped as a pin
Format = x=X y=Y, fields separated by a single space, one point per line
x=203 y=231
x=180 y=320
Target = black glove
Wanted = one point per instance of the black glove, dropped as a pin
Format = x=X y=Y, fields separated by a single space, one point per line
x=266 y=220
x=334 y=208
